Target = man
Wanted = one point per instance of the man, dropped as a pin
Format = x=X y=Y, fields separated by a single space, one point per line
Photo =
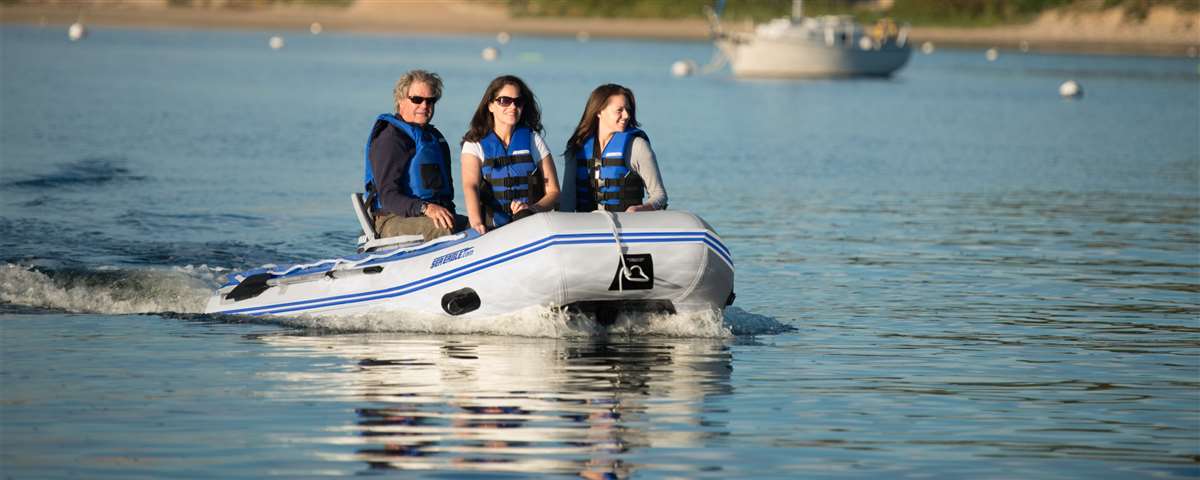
x=409 y=189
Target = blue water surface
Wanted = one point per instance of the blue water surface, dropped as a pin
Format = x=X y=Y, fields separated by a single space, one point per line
x=952 y=273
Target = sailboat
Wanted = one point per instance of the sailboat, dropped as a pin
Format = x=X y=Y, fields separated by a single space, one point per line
x=826 y=46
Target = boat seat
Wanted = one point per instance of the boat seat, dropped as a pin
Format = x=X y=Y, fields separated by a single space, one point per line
x=370 y=240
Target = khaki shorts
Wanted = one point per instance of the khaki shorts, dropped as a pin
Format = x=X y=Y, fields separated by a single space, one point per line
x=389 y=225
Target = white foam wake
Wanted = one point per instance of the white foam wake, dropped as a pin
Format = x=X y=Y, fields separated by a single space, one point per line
x=110 y=290
x=540 y=321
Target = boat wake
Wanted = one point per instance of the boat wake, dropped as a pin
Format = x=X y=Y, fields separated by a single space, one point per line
x=108 y=290
x=536 y=321
x=184 y=290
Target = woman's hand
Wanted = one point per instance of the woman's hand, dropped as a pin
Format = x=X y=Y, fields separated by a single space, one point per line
x=516 y=206
x=639 y=208
x=477 y=223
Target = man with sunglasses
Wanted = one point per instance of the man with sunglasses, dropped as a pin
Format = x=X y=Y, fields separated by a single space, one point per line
x=409 y=189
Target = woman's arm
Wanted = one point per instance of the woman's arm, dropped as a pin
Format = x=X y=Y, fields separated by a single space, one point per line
x=471 y=174
x=549 y=175
x=643 y=161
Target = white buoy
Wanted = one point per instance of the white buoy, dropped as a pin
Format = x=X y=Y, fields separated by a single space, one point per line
x=583 y=37
x=503 y=38
x=992 y=54
x=1193 y=51
x=927 y=48
x=490 y=54
x=316 y=28
x=1070 y=89
x=683 y=68
x=1024 y=46
x=76 y=32
x=276 y=42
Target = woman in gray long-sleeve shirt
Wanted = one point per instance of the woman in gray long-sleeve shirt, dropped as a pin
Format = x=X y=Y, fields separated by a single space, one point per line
x=609 y=162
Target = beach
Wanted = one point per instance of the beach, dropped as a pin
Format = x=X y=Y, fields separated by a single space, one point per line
x=1164 y=31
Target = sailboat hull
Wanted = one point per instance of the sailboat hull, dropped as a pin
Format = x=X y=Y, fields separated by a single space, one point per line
x=765 y=57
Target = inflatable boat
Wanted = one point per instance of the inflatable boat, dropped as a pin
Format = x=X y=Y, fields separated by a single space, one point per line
x=598 y=263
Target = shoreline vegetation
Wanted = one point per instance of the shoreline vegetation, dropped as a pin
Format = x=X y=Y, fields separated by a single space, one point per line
x=1141 y=27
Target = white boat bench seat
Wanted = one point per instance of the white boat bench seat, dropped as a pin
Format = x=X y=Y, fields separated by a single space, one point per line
x=370 y=241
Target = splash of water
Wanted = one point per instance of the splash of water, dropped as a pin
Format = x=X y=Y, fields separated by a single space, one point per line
x=109 y=291
x=548 y=322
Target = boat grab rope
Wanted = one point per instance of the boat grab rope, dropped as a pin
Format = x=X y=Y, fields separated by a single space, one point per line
x=612 y=222
x=350 y=264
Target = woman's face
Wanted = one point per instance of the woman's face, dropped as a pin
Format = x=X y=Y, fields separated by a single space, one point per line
x=507 y=115
x=614 y=115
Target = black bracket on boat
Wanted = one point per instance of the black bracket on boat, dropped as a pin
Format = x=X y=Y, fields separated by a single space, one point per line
x=249 y=287
x=461 y=301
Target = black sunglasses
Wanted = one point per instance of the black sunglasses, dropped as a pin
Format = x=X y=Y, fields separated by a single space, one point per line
x=419 y=100
x=504 y=101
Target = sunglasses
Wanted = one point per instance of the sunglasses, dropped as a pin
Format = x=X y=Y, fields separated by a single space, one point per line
x=417 y=100
x=506 y=101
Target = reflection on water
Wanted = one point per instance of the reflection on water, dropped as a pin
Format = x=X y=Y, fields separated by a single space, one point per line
x=514 y=405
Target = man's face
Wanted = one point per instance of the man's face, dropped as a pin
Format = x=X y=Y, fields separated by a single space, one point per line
x=413 y=112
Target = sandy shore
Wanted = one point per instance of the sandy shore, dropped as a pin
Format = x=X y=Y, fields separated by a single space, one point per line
x=1164 y=31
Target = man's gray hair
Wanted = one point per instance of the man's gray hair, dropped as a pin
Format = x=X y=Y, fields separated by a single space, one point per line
x=414 y=76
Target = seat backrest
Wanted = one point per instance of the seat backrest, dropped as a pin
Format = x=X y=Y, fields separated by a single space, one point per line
x=364 y=218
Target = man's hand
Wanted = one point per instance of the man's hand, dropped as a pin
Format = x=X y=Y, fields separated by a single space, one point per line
x=440 y=216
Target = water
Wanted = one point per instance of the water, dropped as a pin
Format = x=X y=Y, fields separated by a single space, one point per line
x=953 y=273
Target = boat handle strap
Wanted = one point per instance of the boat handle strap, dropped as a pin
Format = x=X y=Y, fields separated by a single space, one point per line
x=612 y=222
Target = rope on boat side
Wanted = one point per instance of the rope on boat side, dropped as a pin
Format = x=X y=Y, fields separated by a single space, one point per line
x=612 y=222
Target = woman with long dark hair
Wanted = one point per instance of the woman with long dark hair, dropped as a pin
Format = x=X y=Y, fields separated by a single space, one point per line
x=609 y=164
x=508 y=172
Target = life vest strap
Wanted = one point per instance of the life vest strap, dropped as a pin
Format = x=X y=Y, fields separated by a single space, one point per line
x=618 y=195
x=512 y=193
x=609 y=182
x=509 y=182
x=608 y=162
x=498 y=162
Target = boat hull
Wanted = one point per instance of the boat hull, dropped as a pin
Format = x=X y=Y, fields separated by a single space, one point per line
x=786 y=58
x=673 y=261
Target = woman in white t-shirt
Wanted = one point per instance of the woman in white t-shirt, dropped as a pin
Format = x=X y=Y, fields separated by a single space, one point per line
x=507 y=170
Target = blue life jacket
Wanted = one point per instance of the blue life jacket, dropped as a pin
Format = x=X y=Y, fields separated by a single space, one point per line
x=428 y=176
x=607 y=181
x=511 y=174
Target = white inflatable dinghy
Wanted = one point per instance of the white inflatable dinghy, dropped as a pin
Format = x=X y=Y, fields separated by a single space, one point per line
x=599 y=263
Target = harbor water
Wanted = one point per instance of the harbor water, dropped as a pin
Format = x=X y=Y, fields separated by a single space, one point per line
x=951 y=273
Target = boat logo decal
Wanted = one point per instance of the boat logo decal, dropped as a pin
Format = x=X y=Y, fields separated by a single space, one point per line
x=452 y=256
x=637 y=274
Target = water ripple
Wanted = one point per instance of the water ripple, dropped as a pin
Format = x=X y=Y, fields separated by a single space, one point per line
x=85 y=172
